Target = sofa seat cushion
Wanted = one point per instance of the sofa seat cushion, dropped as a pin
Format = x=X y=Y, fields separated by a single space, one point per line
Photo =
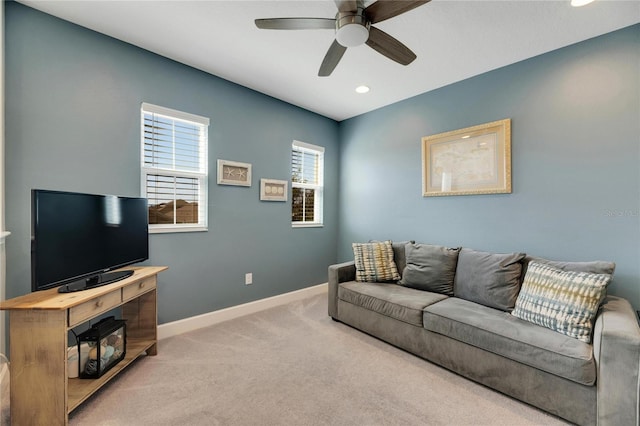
x=503 y=334
x=392 y=300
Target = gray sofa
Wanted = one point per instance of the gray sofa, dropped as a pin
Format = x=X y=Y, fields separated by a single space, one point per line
x=584 y=383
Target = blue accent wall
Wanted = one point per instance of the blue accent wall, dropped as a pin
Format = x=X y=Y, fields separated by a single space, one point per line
x=575 y=160
x=73 y=123
x=73 y=101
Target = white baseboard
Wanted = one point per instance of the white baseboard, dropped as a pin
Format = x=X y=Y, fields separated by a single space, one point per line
x=204 y=320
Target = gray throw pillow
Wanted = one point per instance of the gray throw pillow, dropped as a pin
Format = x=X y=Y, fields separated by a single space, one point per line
x=430 y=268
x=592 y=267
x=400 y=254
x=490 y=279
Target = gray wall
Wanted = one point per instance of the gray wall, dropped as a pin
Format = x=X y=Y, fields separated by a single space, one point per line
x=73 y=123
x=576 y=158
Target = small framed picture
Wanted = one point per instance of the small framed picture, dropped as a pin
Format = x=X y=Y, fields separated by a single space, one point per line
x=234 y=173
x=273 y=190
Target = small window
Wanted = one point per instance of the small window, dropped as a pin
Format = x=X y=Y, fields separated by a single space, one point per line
x=174 y=169
x=307 y=182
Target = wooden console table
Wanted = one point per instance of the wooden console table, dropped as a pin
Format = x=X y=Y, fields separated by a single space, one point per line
x=41 y=392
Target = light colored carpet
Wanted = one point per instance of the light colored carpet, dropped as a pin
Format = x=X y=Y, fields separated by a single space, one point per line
x=293 y=365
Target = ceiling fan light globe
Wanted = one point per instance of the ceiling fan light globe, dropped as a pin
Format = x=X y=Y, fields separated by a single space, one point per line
x=351 y=35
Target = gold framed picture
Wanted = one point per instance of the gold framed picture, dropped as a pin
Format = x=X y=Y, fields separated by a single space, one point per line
x=469 y=161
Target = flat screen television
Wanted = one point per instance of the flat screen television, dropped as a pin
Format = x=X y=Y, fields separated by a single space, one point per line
x=77 y=240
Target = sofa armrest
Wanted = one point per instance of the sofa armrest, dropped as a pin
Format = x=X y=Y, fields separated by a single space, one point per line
x=340 y=273
x=616 y=347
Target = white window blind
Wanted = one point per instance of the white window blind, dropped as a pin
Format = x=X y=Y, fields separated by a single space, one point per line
x=174 y=169
x=307 y=182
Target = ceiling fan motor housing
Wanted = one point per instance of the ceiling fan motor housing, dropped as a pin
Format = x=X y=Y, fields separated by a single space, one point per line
x=352 y=28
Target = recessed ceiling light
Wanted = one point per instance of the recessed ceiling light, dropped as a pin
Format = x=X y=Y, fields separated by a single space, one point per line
x=578 y=3
x=362 y=89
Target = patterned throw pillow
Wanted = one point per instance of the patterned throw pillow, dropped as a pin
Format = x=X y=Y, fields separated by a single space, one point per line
x=374 y=262
x=564 y=301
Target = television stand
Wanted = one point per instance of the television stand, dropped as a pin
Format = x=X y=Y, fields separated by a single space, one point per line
x=41 y=392
x=95 y=281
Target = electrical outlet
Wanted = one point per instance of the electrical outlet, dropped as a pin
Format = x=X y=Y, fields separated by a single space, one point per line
x=248 y=278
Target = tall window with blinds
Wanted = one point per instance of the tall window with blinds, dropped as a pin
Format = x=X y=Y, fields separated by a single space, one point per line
x=307 y=182
x=174 y=169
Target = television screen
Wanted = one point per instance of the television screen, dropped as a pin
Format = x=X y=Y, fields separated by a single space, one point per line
x=77 y=239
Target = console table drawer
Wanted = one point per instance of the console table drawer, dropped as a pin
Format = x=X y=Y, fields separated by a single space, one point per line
x=90 y=309
x=133 y=290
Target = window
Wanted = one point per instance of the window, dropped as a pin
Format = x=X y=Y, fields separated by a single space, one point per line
x=307 y=180
x=174 y=169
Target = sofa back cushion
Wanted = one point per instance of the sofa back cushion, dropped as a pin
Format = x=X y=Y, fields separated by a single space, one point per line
x=374 y=262
x=490 y=279
x=430 y=267
x=563 y=301
x=593 y=267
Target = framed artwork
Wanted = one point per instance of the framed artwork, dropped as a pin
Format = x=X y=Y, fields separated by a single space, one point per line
x=474 y=160
x=273 y=190
x=234 y=173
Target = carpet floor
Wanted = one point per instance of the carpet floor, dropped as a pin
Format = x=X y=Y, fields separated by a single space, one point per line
x=293 y=365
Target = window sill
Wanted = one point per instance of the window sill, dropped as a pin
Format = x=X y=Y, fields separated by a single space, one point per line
x=176 y=229
x=307 y=225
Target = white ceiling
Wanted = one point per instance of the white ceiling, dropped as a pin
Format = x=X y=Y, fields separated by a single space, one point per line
x=453 y=39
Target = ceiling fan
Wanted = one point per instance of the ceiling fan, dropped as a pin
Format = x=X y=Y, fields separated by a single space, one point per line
x=353 y=26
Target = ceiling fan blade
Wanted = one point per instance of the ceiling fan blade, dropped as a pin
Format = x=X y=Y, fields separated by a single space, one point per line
x=346 y=5
x=296 y=24
x=381 y=10
x=390 y=47
x=331 y=59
